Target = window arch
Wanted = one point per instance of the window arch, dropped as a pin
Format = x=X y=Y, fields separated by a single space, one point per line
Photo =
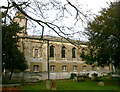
x=64 y=68
x=52 y=51
x=63 y=52
x=73 y=52
x=52 y=68
x=74 y=68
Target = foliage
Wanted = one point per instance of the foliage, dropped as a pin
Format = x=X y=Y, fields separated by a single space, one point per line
x=86 y=85
x=12 y=58
x=104 y=37
x=72 y=76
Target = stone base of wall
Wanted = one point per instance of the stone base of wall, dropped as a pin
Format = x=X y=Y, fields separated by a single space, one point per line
x=53 y=75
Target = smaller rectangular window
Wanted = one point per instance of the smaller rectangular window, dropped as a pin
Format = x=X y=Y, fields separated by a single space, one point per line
x=84 y=68
x=64 y=68
x=35 y=53
x=75 y=68
x=36 y=68
x=93 y=68
x=52 y=68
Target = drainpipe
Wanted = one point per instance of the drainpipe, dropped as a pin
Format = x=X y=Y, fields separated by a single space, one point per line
x=48 y=59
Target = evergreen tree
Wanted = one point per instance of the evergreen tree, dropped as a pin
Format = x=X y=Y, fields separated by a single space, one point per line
x=12 y=58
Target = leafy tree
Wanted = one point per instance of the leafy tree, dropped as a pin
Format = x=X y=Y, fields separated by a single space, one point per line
x=12 y=58
x=104 y=37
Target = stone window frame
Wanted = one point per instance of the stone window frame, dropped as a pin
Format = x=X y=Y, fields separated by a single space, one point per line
x=34 y=48
x=35 y=68
x=52 y=68
x=63 y=52
x=64 y=68
x=74 y=68
x=73 y=52
x=52 y=52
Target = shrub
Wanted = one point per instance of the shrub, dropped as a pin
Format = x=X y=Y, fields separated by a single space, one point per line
x=86 y=75
x=72 y=76
x=95 y=74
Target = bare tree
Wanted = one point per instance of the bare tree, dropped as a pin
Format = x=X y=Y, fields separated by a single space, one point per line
x=50 y=15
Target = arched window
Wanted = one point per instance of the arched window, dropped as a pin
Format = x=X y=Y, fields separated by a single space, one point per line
x=64 y=68
x=74 y=68
x=73 y=53
x=36 y=68
x=52 y=68
x=84 y=68
x=52 y=51
x=63 y=52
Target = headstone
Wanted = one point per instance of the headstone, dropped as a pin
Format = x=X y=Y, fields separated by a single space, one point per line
x=47 y=84
x=53 y=85
x=101 y=84
x=75 y=78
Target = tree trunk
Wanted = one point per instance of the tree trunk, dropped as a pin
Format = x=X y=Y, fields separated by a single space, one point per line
x=11 y=74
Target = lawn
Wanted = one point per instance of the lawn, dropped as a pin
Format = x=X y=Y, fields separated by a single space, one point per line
x=109 y=84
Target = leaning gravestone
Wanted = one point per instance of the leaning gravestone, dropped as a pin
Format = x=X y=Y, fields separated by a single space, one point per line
x=101 y=84
x=47 y=84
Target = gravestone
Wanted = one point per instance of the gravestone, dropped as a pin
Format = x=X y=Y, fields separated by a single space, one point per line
x=47 y=84
x=53 y=85
x=101 y=84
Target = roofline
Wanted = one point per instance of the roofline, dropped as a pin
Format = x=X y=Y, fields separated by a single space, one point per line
x=45 y=39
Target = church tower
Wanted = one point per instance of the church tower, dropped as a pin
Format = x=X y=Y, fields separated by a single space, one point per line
x=21 y=19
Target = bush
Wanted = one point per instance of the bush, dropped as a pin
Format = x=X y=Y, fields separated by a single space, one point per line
x=72 y=76
x=95 y=74
x=86 y=75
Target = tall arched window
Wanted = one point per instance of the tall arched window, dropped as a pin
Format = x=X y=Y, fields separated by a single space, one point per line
x=63 y=52
x=52 y=51
x=73 y=53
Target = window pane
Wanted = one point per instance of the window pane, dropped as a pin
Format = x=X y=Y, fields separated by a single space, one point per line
x=63 y=52
x=36 y=68
x=64 y=68
x=51 y=51
x=52 y=68
x=93 y=68
x=73 y=53
x=36 y=53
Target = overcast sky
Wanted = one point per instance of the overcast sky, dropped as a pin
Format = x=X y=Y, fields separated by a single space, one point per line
x=93 y=5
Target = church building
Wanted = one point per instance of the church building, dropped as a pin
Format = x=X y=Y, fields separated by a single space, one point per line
x=53 y=57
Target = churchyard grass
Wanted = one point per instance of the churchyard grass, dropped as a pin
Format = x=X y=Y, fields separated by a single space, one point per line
x=109 y=84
